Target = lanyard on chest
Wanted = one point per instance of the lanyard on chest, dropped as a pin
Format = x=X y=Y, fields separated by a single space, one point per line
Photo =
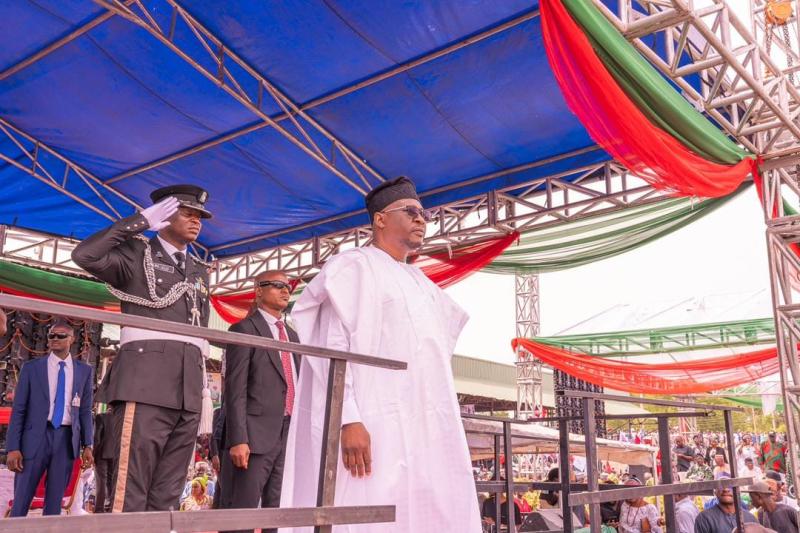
x=160 y=302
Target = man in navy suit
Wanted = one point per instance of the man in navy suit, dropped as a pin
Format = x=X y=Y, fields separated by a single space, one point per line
x=51 y=420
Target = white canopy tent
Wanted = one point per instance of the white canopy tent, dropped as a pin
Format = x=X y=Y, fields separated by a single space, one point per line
x=533 y=438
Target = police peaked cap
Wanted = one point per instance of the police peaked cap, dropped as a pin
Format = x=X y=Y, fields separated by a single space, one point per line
x=190 y=196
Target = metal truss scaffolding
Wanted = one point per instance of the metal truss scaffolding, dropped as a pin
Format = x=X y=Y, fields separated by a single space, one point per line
x=747 y=85
x=742 y=86
x=231 y=73
x=529 y=368
x=783 y=236
x=558 y=198
x=669 y=340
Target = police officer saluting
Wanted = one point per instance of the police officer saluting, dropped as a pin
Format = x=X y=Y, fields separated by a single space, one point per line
x=157 y=382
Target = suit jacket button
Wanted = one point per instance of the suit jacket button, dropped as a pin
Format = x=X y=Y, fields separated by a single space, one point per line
x=141 y=350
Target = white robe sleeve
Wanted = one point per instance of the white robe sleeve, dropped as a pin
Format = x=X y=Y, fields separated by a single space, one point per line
x=337 y=339
x=454 y=315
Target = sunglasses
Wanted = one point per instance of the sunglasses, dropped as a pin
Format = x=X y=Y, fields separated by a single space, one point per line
x=413 y=212
x=59 y=336
x=280 y=285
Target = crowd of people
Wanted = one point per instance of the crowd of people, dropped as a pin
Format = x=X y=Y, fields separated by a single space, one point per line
x=766 y=503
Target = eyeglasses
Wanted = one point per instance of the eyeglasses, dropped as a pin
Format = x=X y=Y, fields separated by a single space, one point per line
x=60 y=336
x=280 y=285
x=413 y=212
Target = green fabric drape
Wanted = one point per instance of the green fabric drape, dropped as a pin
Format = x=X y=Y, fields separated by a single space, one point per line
x=55 y=286
x=671 y=339
x=651 y=92
x=593 y=239
x=753 y=402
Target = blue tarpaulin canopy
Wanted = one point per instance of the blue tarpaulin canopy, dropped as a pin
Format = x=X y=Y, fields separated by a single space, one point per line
x=113 y=97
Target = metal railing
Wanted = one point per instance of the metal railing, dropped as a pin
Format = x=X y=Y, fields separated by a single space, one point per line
x=322 y=517
x=592 y=493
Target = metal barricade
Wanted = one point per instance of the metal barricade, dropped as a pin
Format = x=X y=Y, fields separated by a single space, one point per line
x=322 y=517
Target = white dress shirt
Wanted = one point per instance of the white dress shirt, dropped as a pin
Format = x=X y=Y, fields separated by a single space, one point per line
x=171 y=250
x=685 y=514
x=52 y=381
x=276 y=335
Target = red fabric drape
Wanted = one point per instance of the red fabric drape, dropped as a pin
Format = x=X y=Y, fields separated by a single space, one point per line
x=445 y=270
x=616 y=123
x=442 y=269
x=685 y=377
x=233 y=307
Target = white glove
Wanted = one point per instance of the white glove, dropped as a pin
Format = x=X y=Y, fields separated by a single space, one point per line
x=158 y=215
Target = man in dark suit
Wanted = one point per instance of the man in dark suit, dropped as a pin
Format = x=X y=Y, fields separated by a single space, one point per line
x=156 y=382
x=51 y=421
x=258 y=401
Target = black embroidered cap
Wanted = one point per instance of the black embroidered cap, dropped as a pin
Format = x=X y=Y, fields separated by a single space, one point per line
x=389 y=192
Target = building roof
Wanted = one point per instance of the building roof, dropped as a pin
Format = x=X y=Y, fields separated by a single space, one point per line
x=491 y=380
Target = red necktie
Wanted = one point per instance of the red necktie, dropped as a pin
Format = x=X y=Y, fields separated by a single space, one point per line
x=286 y=361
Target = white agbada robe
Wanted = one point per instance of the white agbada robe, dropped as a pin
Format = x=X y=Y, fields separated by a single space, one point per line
x=366 y=302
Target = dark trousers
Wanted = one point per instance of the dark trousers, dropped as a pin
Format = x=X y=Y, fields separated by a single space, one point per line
x=55 y=456
x=155 y=446
x=103 y=478
x=217 y=491
x=261 y=481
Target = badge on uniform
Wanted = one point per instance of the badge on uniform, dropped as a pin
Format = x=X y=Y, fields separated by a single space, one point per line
x=200 y=286
x=76 y=400
x=165 y=268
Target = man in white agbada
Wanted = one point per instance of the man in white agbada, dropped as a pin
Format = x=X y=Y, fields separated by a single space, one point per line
x=402 y=442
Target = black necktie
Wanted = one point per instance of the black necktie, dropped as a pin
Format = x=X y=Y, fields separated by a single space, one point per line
x=179 y=257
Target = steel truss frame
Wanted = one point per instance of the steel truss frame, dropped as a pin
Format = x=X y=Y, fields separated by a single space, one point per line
x=783 y=235
x=247 y=86
x=750 y=93
x=529 y=368
x=54 y=170
x=669 y=340
x=566 y=196
x=543 y=202
x=38 y=249
x=741 y=86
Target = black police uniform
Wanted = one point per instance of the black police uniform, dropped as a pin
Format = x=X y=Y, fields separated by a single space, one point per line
x=154 y=386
